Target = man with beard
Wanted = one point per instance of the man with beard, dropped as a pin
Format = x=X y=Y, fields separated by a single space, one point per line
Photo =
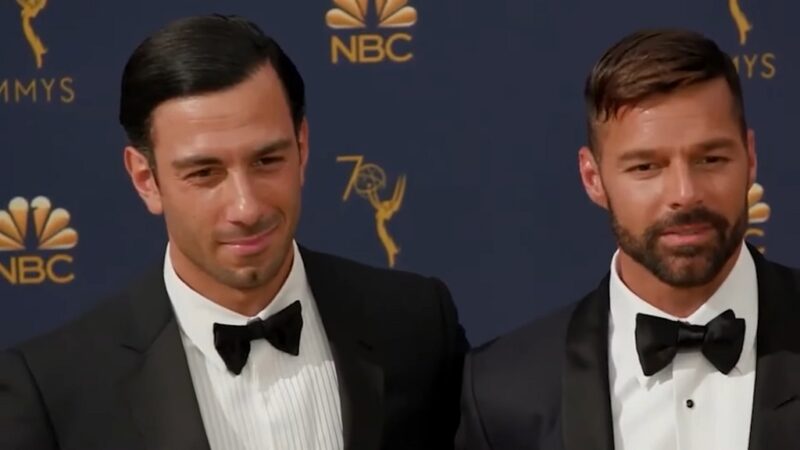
x=692 y=340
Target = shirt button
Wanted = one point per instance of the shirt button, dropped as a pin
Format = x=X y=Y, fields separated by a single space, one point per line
x=690 y=403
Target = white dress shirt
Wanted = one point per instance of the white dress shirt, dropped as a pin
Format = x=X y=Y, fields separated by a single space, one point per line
x=688 y=405
x=279 y=401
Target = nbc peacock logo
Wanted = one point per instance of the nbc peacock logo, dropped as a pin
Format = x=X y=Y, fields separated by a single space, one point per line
x=52 y=234
x=360 y=47
x=758 y=213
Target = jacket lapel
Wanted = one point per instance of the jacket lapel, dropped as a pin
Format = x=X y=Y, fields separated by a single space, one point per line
x=776 y=409
x=160 y=390
x=586 y=398
x=360 y=375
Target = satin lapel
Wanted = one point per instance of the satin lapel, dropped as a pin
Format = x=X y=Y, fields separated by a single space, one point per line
x=586 y=398
x=160 y=391
x=776 y=409
x=360 y=374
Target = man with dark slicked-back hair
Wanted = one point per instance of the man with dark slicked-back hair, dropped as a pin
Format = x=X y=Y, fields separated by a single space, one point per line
x=241 y=338
x=692 y=339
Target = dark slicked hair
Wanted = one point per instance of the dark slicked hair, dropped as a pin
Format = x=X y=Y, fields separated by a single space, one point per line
x=652 y=62
x=194 y=56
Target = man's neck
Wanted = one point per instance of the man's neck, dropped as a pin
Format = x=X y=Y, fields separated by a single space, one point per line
x=247 y=302
x=675 y=301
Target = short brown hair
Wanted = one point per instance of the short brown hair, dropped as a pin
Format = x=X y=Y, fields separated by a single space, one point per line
x=651 y=62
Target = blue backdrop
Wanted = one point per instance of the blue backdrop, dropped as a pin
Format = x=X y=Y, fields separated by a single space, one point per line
x=446 y=128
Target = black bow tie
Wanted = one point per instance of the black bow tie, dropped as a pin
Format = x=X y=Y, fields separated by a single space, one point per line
x=282 y=330
x=658 y=340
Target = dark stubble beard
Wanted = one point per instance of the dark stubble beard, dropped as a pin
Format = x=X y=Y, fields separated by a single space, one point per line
x=666 y=263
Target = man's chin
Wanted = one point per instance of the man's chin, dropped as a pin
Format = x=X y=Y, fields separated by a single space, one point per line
x=245 y=278
x=686 y=271
x=681 y=252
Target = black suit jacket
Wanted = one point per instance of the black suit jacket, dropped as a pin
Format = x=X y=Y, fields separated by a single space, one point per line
x=545 y=386
x=118 y=377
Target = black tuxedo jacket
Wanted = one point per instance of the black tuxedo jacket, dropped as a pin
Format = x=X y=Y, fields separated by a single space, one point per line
x=118 y=377
x=545 y=386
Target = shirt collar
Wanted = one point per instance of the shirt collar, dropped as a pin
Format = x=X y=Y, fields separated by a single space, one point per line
x=197 y=314
x=738 y=292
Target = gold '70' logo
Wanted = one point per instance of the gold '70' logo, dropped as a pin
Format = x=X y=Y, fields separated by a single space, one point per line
x=367 y=180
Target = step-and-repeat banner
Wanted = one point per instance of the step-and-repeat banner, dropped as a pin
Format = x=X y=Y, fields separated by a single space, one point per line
x=444 y=138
